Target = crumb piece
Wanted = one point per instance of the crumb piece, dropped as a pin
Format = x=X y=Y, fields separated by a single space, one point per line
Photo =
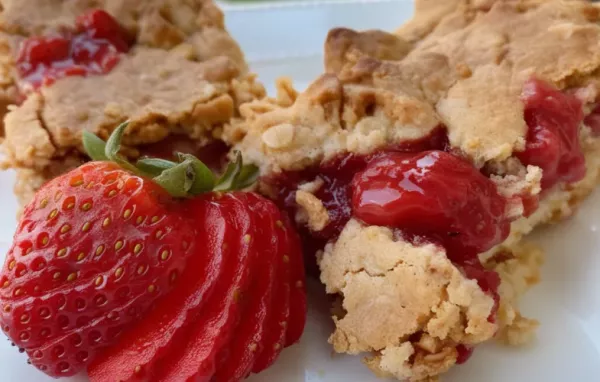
x=313 y=209
x=405 y=290
x=279 y=136
x=313 y=186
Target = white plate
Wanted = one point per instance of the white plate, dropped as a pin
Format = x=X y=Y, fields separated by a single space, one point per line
x=567 y=301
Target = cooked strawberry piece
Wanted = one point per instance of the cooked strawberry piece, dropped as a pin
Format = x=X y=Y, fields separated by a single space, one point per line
x=193 y=356
x=236 y=360
x=432 y=194
x=100 y=25
x=91 y=243
x=553 y=118
x=94 y=48
x=298 y=306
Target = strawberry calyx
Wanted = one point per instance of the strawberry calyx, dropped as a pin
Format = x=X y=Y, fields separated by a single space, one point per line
x=187 y=177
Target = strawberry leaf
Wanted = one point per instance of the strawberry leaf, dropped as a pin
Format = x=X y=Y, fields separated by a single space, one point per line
x=185 y=178
x=227 y=181
x=113 y=145
x=204 y=179
x=248 y=175
x=94 y=146
x=177 y=180
x=154 y=166
x=237 y=175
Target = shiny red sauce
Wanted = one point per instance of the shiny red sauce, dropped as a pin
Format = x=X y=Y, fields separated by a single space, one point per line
x=93 y=47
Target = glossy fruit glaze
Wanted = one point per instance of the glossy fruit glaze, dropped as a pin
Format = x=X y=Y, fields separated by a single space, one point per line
x=93 y=47
x=553 y=118
x=432 y=194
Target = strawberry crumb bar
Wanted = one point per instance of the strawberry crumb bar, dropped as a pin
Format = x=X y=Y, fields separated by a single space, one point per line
x=168 y=66
x=416 y=164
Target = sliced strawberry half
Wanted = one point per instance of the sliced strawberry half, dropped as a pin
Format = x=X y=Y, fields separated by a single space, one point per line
x=274 y=339
x=193 y=356
x=250 y=335
x=298 y=308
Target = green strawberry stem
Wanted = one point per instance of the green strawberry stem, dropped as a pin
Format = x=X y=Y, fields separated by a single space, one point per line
x=185 y=178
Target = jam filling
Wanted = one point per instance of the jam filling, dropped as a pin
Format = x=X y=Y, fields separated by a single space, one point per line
x=421 y=209
x=93 y=47
x=553 y=118
x=432 y=194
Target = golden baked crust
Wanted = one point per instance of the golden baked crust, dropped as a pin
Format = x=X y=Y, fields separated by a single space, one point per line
x=466 y=71
x=195 y=28
x=159 y=91
x=399 y=298
x=183 y=75
x=157 y=23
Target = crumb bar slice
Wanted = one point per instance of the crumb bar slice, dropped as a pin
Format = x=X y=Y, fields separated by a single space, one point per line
x=180 y=80
x=510 y=87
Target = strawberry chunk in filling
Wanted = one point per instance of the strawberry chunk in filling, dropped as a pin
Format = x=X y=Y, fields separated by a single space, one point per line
x=553 y=118
x=93 y=47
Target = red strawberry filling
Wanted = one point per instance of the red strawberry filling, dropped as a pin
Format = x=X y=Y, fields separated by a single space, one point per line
x=554 y=119
x=435 y=195
x=93 y=47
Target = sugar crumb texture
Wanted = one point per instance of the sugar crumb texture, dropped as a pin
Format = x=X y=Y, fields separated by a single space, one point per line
x=408 y=306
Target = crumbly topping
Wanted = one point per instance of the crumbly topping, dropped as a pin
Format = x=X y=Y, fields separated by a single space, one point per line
x=158 y=91
x=158 y=23
x=193 y=29
x=460 y=63
x=519 y=182
x=327 y=119
x=345 y=43
x=519 y=269
x=394 y=299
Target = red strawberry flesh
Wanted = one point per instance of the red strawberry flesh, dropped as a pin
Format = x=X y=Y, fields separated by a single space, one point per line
x=97 y=245
x=277 y=322
x=151 y=338
x=193 y=356
x=298 y=303
x=237 y=359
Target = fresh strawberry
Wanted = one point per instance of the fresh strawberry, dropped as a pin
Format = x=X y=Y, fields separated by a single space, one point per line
x=194 y=357
x=210 y=281
x=278 y=320
x=298 y=302
x=161 y=331
x=94 y=249
x=236 y=360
